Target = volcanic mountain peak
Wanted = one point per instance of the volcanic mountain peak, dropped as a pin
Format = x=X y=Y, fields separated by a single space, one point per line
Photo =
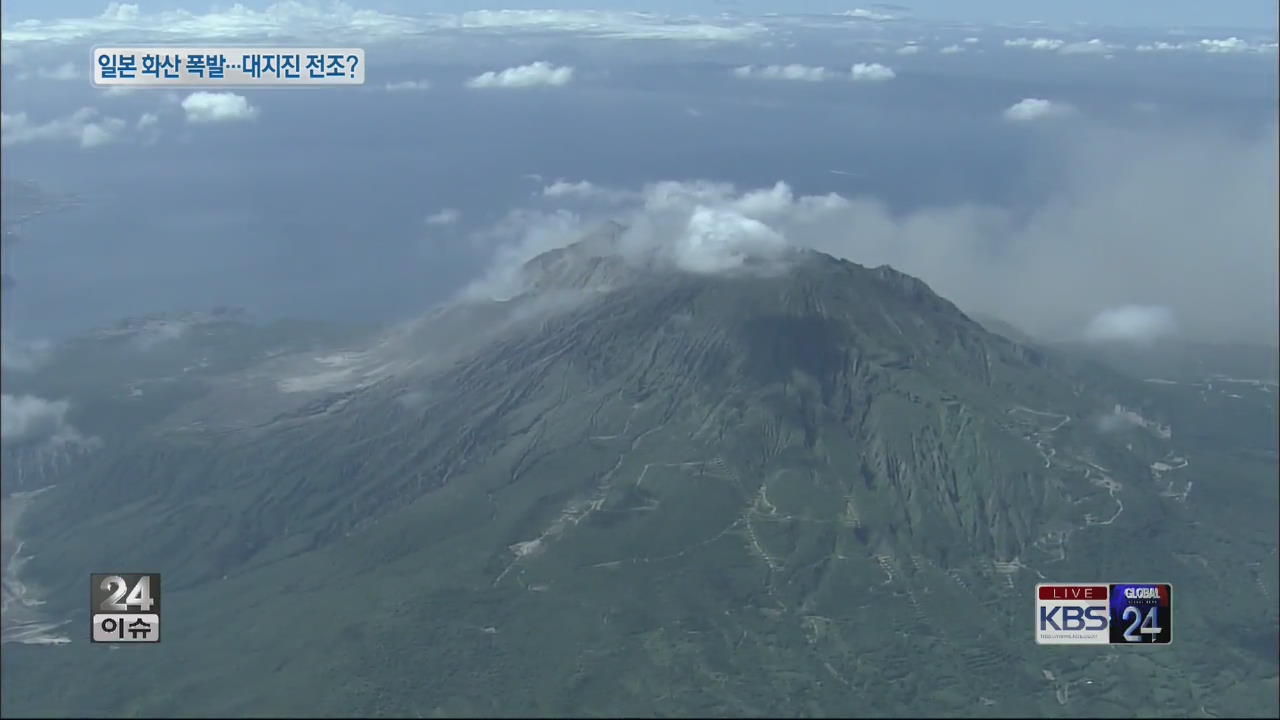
x=595 y=262
x=609 y=258
x=777 y=470
x=614 y=254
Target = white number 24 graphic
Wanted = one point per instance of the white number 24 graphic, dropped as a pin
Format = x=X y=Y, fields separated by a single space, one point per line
x=1143 y=625
x=139 y=597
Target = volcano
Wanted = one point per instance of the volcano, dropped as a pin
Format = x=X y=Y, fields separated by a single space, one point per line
x=797 y=487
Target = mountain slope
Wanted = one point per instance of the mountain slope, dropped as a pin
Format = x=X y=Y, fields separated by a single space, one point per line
x=811 y=489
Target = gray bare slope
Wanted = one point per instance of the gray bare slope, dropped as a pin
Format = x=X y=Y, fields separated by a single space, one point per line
x=816 y=489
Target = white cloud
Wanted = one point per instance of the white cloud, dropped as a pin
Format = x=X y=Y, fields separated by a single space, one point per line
x=408 y=85
x=85 y=126
x=805 y=73
x=1134 y=323
x=522 y=235
x=40 y=427
x=9 y=55
x=446 y=216
x=1130 y=220
x=586 y=190
x=26 y=417
x=715 y=240
x=605 y=24
x=561 y=188
x=1210 y=45
x=908 y=50
x=1121 y=418
x=533 y=74
x=694 y=226
x=101 y=132
x=1036 y=44
x=147 y=128
x=23 y=354
x=970 y=40
x=952 y=49
x=213 y=107
x=763 y=204
x=1028 y=109
x=1088 y=47
x=65 y=71
x=285 y=19
x=861 y=14
x=1093 y=46
x=1225 y=45
x=870 y=72
x=321 y=22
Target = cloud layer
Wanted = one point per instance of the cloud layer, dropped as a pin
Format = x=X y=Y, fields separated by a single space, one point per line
x=408 y=85
x=1185 y=223
x=714 y=240
x=215 y=107
x=85 y=126
x=1028 y=109
x=809 y=73
x=1209 y=45
x=524 y=76
x=783 y=72
x=872 y=15
x=22 y=354
x=446 y=216
x=29 y=418
x=1035 y=43
x=322 y=22
x=66 y=71
x=871 y=72
x=1135 y=323
x=1093 y=46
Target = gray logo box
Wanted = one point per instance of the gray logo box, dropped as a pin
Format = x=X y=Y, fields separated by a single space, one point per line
x=124 y=607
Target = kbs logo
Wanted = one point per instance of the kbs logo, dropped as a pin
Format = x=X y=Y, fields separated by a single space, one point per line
x=1096 y=614
x=1072 y=614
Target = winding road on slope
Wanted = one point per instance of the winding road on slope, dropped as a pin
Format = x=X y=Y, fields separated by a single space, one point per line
x=21 y=619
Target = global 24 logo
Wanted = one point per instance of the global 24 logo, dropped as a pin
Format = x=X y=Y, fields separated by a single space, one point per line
x=1104 y=614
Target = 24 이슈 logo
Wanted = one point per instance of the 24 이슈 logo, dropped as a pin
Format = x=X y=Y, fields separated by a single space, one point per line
x=124 y=607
